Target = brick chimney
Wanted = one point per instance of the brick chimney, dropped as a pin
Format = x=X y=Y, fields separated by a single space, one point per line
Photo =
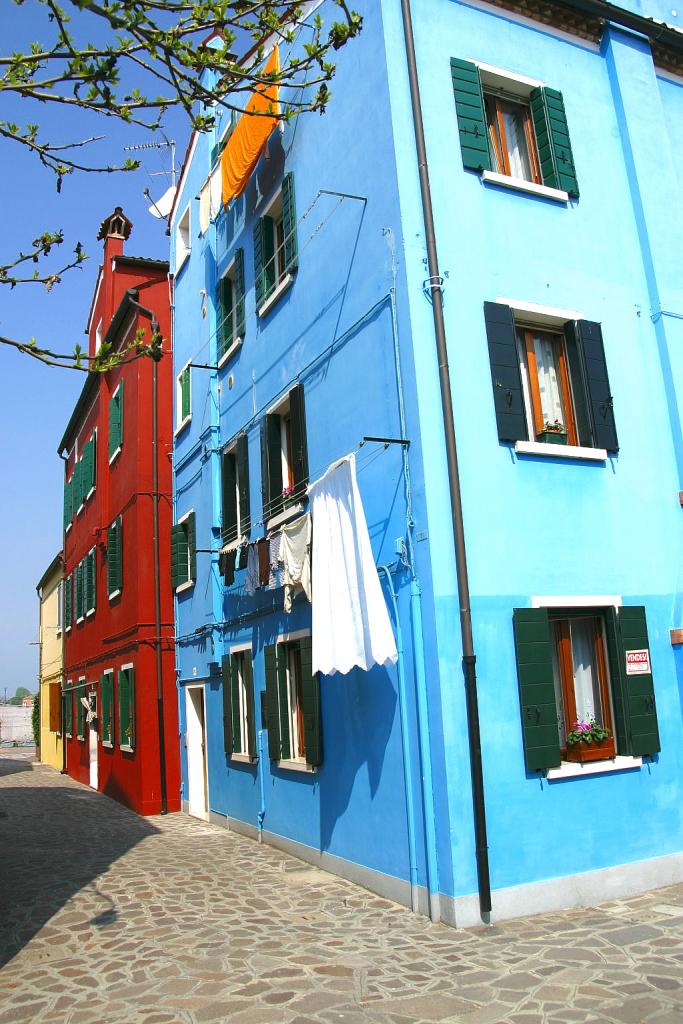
x=114 y=230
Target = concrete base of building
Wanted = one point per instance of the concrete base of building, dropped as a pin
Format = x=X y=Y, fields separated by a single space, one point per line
x=582 y=890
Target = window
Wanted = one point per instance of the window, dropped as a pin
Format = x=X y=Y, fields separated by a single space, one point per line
x=514 y=128
x=55 y=708
x=107 y=699
x=236 y=521
x=80 y=591
x=183 y=553
x=230 y=308
x=69 y=708
x=115 y=559
x=126 y=701
x=183 y=398
x=183 y=240
x=88 y=468
x=116 y=422
x=275 y=247
x=284 y=455
x=292 y=703
x=68 y=603
x=69 y=507
x=239 y=729
x=90 y=582
x=550 y=382
x=576 y=664
x=80 y=709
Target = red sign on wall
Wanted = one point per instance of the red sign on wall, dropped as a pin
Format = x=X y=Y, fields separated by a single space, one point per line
x=638 y=663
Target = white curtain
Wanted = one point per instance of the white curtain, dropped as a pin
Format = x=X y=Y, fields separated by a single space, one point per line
x=586 y=684
x=548 y=378
x=518 y=155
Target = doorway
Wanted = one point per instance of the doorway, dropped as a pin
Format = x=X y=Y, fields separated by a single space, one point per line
x=92 y=737
x=195 y=739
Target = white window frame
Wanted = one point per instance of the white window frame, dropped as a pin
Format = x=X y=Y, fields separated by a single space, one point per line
x=243 y=756
x=298 y=762
x=189 y=582
x=108 y=743
x=81 y=683
x=126 y=746
x=237 y=338
x=183 y=237
x=70 y=694
x=117 y=451
x=285 y=281
x=181 y=424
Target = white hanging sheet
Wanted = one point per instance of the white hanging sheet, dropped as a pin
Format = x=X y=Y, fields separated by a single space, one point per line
x=350 y=622
x=205 y=207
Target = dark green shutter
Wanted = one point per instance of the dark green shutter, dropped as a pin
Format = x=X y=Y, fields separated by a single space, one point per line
x=229 y=491
x=268 y=244
x=79 y=591
x=78 y=488
x=114 y=557
x=533 y=646
x=578 y=383
x=189 y=525
x=310 y=691
x=127 y=708
x=225 y=301
x=80 y=711
x=617 y=673
x=68 y=510
x=105 y=698
x=297 y=414
x=242 y=459
x=248 y=676
x=271 y=466
x=227 y=704
x=272 y=702
x=69 y=710
x=259 y=284
x=120 y=402
x=88 y=467
x=93 y=461
x=469 y=106
x=552 y=138
x=68 y=602
x=283 y=702
x=178 y=555
x=116 y=420
x=289 y=222
x=599 y=394
x=237 y=739
x=90 y=578
x=508 y=397
x=185 y=394
x=238 y=293
x=640 y=693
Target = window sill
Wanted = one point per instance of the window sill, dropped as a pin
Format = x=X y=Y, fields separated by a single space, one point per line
x=66 y=530
x=275 y=295
x=520 y=185
x=297 y=766
x=114 y=594
x=573 y=770
x=182 y=261
x=243 y=758
x=229 y=352
x=90 y=494
x=78 y=621
x=184 y=586
x=91 y=612
x=114 y=455
x=68 y=629
x=181 y=426
x=81 y=738
x=127 y=749
x=107 y=744
x=561 y=451
x=285 y=516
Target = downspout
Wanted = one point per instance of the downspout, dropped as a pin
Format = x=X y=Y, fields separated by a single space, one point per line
x=469 y=658
x=262 y=781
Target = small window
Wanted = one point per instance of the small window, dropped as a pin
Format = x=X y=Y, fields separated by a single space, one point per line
x=115 y=558
x=69 y=507
x=69 y=708
x=183 y=399
x=284 y=455
x=60 y=607
x=543 y=358
x=236 y=520
x=581 y=678
x=512 y=140
x=80 y=591
x=107 y=701
x=275 y=247
x=238 y=705
x=80 y=709
x=183 y=553
x=116 y=422
x=230 y=308
x=68 y=603
x=126 y=703
x=90 y=582
x=183 y=240
x=293 y=703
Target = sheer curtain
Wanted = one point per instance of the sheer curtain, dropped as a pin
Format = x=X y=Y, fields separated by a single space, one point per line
x=586 y=683
x=545 y=349
x=518 y=154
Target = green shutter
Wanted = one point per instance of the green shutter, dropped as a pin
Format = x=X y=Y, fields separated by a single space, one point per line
x=114 y=423
x=508 y=397
x=237 y=739
x=536 y=688
x=268 y=255
x=79 y=591
x=283 y=702
x=229 y=493
x=248 y=676
x=310 y=690
x=599 y=393
x=90 y=580
x=297 y=413
x=191 y=545
x=126 y=708
x=640 y=693
x=617 y=673
x=185 y=394
x=68 y=602
x=225 y=301
x=258 y=263
x=80 y=711
x=227 y=704
x=68 y=509
x=178 y=556
x=577 y=377
x=69 y=710
x=272 y=702
x=106 y=700
x=552 y=138
x=469 y=107
x=242 y=460
x=114 y=557
x=289 y=222
x=88 y=467
x=238 y=293
x=271 y=465
x=78 y=487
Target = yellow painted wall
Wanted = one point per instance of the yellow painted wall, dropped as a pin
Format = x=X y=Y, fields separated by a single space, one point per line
x=50 y=666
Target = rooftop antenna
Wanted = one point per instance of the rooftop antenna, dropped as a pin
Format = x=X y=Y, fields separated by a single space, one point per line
x=161 y=208
x=167 y=143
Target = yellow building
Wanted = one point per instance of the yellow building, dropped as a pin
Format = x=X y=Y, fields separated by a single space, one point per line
x=50 y=665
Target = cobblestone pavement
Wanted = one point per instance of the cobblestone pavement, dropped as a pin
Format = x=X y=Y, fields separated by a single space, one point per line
x=107 y=917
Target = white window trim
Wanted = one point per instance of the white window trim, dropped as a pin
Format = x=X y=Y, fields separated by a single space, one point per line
x=108 y=743
x=298 y=766
x=578 y=601
x=179 y=399
x=573 y=770
x=521 y=185
x=500 y=76
x=229 y=352
x=187 y=249
x=284 y=284
x=240 y=648
x=114 y=593
x=126 y=746
x=90 y=493
x=295 y=764
x=188 y=583
x=242 y=758
x=117 y=451
x=561 y=451
x=184 y=586
x=285 y=516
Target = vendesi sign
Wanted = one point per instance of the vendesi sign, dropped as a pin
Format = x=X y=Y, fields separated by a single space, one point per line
x=638 y=663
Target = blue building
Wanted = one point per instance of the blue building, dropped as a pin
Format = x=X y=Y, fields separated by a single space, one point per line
x=305 y=320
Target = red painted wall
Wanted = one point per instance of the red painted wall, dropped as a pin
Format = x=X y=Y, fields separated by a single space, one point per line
x=122 y=631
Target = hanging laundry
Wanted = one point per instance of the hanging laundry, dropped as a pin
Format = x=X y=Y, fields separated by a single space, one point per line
x=205 y=207
x=263 y=546
x=226 y=565
x=215 y=189
x=350 y=621
x=243 y=556
x=251 y=584
x=295 y=555
x=275 y=573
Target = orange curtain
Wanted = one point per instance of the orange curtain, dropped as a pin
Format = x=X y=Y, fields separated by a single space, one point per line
x=250 y=136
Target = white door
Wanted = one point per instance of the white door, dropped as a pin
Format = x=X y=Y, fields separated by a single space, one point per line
x=92 y=737
x=196 y=753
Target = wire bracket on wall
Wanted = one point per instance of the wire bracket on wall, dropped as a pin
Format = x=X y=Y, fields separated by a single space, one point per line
x=386 y=441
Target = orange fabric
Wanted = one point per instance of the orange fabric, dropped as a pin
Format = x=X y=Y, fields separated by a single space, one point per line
x=250 y=136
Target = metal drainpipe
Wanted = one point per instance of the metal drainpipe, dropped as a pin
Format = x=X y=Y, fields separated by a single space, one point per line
x=469 y=658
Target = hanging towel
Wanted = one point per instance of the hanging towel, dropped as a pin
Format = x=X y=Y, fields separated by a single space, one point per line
x=243 y=557
x=215 y=186
x=295 y=555
x=351 y=625
x=263 y=561
x=251 y=584
x=205 y=206
x=275 y=574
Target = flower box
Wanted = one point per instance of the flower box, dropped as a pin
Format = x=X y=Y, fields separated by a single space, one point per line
x=582 y=752
x=552 y=437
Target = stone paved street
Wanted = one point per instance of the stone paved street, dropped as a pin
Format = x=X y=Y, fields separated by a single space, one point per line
x=107 y=917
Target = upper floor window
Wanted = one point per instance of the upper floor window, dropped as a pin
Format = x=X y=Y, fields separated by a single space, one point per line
x=275 y=247
x=183 y=238
x=115 y=559
x=116 y=422
x=513 y=129
x=236 y=520
x=230 y=308
x=183 y=552
x=284 y=454
x=293 y=703
x=183 y=398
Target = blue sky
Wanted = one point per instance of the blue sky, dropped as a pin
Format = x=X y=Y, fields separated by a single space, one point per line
x=36 y=401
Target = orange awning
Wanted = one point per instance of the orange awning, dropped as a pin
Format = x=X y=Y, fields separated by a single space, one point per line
x=250 y=136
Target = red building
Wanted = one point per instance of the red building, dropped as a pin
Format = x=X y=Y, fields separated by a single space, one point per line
x=120 y=704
